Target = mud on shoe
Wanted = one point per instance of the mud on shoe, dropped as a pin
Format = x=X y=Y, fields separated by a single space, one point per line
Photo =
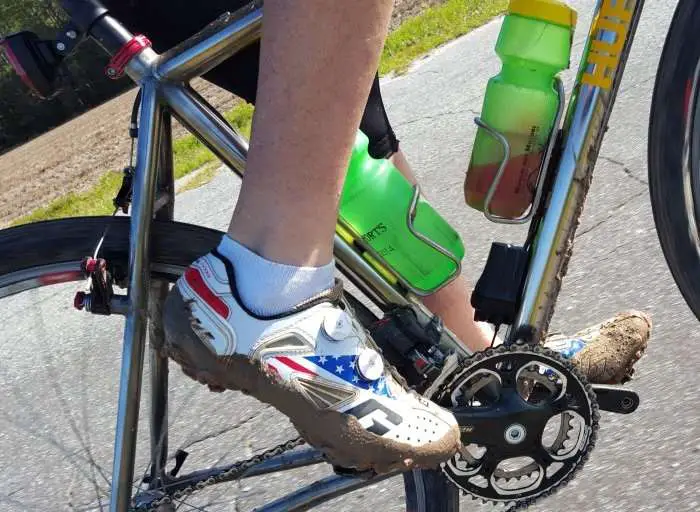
x=606 y=353
x=314 y=364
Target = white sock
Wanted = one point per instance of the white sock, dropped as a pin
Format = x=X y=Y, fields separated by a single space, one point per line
x=268 y=288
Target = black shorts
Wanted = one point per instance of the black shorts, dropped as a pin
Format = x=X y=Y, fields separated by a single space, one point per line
x=168 y=22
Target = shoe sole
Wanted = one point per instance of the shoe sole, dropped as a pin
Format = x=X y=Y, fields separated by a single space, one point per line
x=339 y=436
x=611 y=357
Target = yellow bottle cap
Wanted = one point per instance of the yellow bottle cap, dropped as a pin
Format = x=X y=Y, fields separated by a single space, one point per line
x=546 y=10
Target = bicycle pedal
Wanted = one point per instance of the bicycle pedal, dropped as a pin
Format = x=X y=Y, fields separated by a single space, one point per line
x=616 y=399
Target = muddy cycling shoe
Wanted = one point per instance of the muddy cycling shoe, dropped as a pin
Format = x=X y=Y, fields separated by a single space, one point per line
x=315 y=364
x=606 y=353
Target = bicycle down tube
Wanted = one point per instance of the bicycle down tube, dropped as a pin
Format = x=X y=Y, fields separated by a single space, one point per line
x=600 y=72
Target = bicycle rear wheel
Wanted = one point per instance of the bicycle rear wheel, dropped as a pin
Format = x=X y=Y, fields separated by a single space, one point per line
x=674 y=152
x=60 y=373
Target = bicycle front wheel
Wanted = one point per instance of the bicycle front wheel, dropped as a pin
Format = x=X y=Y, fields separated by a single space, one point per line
x=60 y=375
x=674 y=152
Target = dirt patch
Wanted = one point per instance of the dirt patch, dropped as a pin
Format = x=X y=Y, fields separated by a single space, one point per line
x=404 y=9
x=72 y=157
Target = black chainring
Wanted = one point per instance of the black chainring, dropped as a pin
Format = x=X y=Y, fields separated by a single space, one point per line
x=528 y=419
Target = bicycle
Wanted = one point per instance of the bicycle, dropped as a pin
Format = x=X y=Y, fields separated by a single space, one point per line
x=145 y=257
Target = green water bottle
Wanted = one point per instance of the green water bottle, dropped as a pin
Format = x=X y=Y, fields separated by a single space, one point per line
x=521 y=103
x=374 y=204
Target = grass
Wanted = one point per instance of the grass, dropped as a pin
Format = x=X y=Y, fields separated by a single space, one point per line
x=433 y=27
x=412 y=39
x=96 y=201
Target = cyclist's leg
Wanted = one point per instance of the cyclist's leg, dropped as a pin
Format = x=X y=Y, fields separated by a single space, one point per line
x=261 y=313
x=606 y=352
x=605 y=355
x=318 y=60
x=452 y=303
x=168 y=23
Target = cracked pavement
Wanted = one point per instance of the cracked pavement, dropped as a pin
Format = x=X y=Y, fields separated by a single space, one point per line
x=645 y=462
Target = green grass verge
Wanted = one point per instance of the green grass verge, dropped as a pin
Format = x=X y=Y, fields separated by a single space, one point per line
x=433 y=27
x=96 y=201
x=412 y=39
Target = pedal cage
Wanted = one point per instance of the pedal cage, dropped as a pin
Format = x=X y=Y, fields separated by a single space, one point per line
x=354 y=473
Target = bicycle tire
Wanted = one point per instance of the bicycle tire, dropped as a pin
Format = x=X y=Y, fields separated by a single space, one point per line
x=173 y=246
x=677 y=221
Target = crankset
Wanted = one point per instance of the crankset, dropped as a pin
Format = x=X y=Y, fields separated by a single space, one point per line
x=528 y=421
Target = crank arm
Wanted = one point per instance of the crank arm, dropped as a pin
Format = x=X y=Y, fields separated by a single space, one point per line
x=616 y=399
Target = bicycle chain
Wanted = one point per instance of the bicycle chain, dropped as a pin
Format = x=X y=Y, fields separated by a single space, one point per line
x=460 y=372
x=226 y=475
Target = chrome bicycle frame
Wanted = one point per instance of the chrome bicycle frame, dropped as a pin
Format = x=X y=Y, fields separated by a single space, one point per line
x=165 y=91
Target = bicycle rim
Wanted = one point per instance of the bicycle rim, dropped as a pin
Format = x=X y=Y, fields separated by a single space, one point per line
x=61 y=372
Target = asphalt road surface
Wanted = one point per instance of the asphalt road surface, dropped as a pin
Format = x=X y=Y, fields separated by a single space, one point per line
x=59 y=369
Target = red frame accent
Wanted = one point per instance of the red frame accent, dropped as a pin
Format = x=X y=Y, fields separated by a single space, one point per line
x=117 y=64
x=14 y=62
